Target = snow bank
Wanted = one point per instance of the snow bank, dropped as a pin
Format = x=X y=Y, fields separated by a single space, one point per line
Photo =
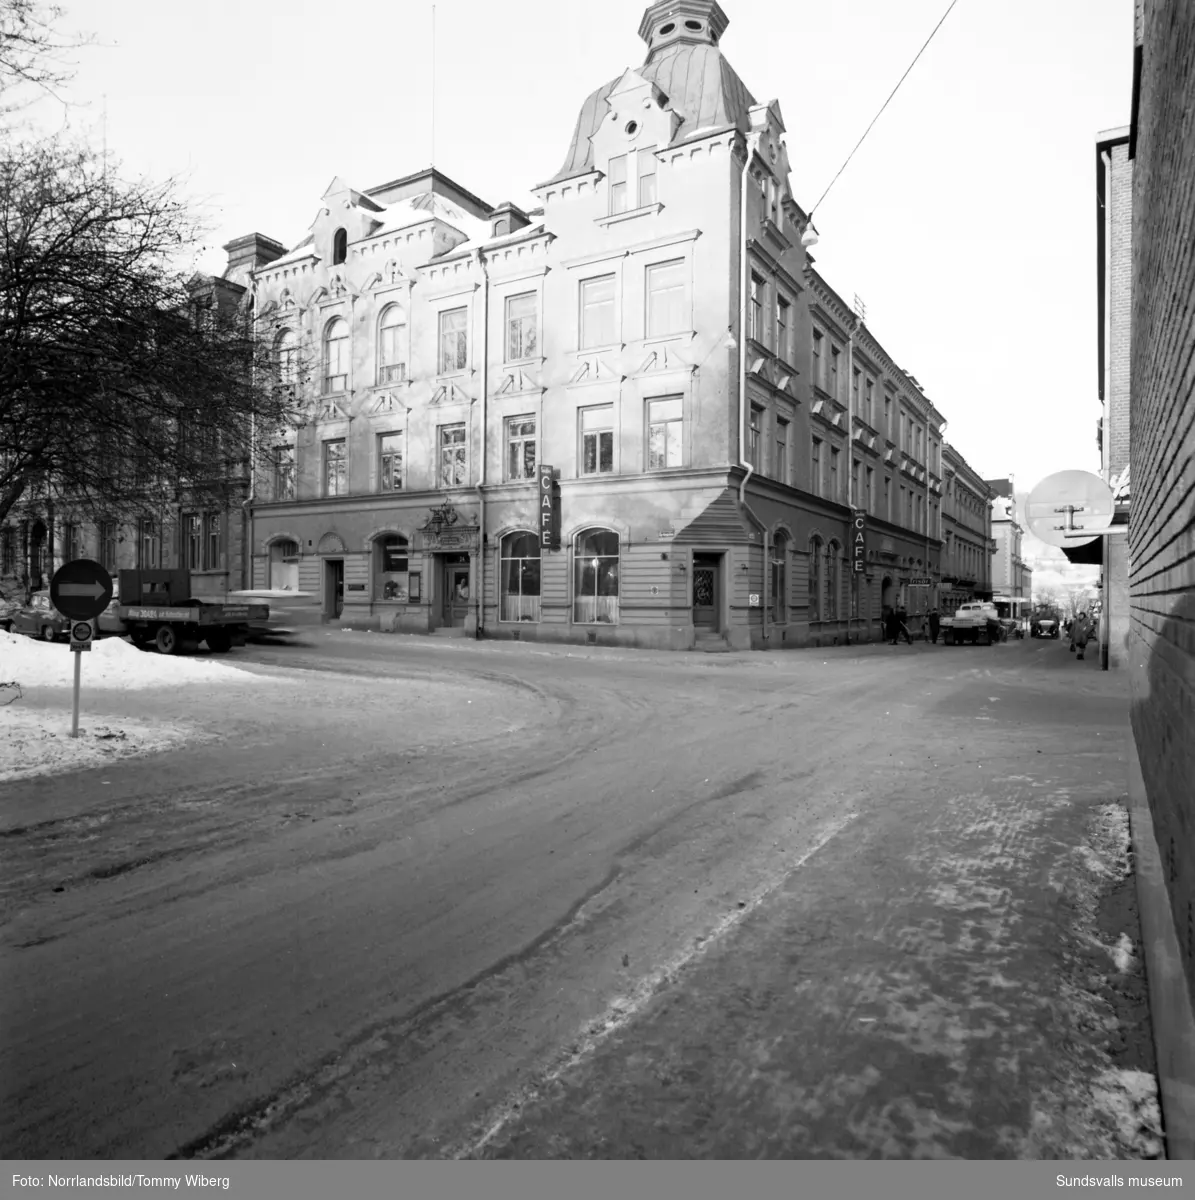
x=111 y=663
x=39 y=742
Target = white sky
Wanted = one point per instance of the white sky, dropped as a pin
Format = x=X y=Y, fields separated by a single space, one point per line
x=966 y=221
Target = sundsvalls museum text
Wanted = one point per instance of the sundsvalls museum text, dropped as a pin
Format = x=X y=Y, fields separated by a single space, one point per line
x=101 y=1181
x=1088 y=1181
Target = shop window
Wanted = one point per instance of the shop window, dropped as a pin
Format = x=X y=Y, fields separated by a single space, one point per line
x=779 y=592
x=595 y=581
x=391 y=580
x=816 y=569
x=830 y=579
x=519 y=577
x=284 y=565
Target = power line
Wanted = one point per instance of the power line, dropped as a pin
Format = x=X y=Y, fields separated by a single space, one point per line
x=882 y=107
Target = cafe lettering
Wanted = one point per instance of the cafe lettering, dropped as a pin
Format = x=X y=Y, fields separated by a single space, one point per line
x=858 y=542
x=549 y=508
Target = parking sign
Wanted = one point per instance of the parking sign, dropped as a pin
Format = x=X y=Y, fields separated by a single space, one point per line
x=82 y=633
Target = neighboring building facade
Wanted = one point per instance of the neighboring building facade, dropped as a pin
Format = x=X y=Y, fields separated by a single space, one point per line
x=967 y=545
x=709 y=407
x=1161 y=547
x=1012 y=577
x=1114 y=258
x=39 y=535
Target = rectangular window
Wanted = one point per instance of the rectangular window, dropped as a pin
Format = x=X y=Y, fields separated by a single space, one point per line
x=72 y=542
x=782 y=450
x=454 y=340
x=855 y=376
x=664 y=433
x=888 y=417
x=392 y=367
x=755 y=437
x=755 y=312
x=193 y=542
x=856 y=469
x=666 y=298
x=834 y=457
x=597 y=440
x=617 y=176
x=284 y=472
x=108 y=545
x=213 y=558
x=522 y=330
x=818 y=361
x=520 y=448
x=335 y=468
x=868 y=400
x=783 y=328
x=148 y=545
x=868 y=496
x=390 y=462
x=453 y=456
x=887 y=498
x=816 y=470
x=8 y=558
x=835 y=355
x=597 y=312
x=647 y=176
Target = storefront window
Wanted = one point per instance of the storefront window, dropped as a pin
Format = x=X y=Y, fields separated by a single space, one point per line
x=519 y=575
x=391 y=569
x=595 y=596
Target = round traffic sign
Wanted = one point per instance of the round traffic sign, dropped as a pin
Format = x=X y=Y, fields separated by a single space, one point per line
x=81 y=589
x=1069 y=508
x=81 y=631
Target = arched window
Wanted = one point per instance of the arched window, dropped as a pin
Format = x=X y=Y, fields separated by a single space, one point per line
x=519 y=577
x=336 y=356
x=595 y=594
x=286 y=350
x=340 y=247
x=391 y=564
x=816 y=564
x=830 y=576
x=779 y=593
x=284 y=565
x=392 y=358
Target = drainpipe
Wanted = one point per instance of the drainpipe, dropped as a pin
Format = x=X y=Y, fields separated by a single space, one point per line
x=850 y=471
x=247 y=511
x=485 y=391
x=744 y=408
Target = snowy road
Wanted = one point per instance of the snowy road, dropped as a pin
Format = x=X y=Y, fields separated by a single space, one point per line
x=394 y=900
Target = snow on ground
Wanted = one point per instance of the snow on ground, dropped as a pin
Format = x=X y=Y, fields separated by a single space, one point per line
x=110 y=663
x=37 y=741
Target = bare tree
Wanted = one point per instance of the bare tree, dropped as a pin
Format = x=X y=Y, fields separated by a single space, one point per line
x=32 y=52
x=116 y=387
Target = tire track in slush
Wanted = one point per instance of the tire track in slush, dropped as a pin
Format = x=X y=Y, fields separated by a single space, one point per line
x=622 y=1010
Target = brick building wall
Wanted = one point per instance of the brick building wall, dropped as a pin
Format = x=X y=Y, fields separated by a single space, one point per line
x=1162 y=523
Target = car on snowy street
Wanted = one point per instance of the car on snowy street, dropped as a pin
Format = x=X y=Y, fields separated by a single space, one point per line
x=40 y=619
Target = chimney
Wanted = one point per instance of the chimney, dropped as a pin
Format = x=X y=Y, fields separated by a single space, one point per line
x=247 y=253
x=507 y=218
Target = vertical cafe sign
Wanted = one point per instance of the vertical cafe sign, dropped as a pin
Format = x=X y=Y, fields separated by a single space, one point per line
x=858 y=542
x=549 y=508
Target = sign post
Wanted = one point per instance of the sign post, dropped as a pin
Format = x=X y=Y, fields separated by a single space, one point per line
x=80 y=590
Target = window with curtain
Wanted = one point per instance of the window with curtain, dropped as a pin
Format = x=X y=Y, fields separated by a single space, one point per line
x=336 y=356
x=779 y=592
x=595 y=580
x=597 y=312
x=391 y=568
x=521 y=327
x=830 y=577
x=518 y=576
x=816 y=566
x=392 y=365
x=666 y=298
x=454 y=340
x=664 y=433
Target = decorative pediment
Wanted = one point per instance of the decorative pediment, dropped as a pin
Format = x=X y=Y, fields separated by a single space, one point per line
x=516 y=381
x=329 y=409
x=386 y=403
x=664 y=358
x=451 y=393
x=440 y=518
x=330 y=543
x=594 y=369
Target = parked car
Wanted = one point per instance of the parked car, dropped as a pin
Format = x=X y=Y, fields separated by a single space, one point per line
x=7 y=608
x=109 y=623
x=40 y=619
x=1046 y=628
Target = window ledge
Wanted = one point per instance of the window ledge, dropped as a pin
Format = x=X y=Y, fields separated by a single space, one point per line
x=658 y=338
x=609 y=348
x=630 y=214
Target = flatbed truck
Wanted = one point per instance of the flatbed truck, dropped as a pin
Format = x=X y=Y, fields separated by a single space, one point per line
x=158 y=611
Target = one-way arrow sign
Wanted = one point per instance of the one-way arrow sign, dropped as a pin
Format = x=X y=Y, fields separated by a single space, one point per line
x=81 y=589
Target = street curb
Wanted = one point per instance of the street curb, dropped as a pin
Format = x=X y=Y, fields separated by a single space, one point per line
x=1169 y=1003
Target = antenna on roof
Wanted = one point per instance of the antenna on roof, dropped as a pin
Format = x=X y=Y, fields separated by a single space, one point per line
x=433 y=85
x=860 y=308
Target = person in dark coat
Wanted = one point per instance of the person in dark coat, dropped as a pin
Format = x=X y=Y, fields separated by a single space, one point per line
x=902 y=618
x=1081 y=633
x=891 y=626
x=935 y=625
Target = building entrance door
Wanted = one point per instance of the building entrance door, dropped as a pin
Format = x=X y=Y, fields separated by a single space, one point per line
x=333 y=588
x=707 y=570
x=456 y=589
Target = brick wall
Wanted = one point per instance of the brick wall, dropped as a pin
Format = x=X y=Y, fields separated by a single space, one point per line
x=1119 y=298
x=1162 y=528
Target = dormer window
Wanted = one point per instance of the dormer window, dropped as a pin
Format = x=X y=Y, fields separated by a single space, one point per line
x=340 y=247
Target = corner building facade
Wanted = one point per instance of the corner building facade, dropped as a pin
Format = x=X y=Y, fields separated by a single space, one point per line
x=648 y=334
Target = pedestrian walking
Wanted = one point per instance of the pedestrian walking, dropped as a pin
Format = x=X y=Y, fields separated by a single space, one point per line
x=891 y=627
x=902 y=619
x=1081 y=633
x=1070 y=631
x=935 y=625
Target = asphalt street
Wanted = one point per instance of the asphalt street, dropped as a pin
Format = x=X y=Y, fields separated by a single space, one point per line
x=424 y=897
